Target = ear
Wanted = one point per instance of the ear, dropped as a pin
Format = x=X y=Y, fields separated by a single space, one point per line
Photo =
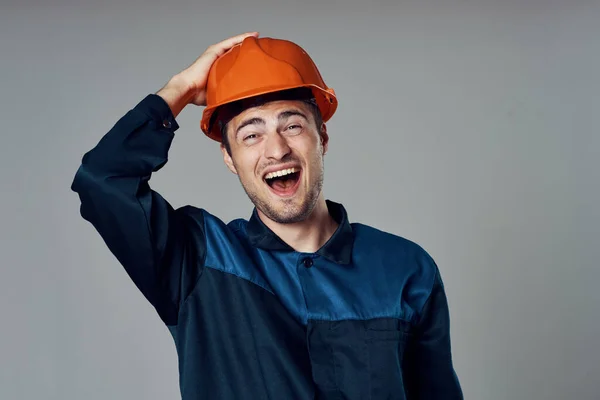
x=324 y=138
x=228 y=160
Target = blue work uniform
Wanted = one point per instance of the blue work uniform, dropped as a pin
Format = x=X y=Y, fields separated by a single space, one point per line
x=364 y=317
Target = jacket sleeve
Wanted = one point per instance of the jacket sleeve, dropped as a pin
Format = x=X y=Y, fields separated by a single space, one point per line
x=429 y=371
x=138 y=225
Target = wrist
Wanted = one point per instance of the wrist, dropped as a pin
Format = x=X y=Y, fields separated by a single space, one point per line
x=177 y=93
x=180 y=84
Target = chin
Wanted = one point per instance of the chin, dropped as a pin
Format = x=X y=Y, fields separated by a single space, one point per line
x=287 y=211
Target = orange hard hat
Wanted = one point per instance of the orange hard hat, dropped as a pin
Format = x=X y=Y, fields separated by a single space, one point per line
x=259 y=66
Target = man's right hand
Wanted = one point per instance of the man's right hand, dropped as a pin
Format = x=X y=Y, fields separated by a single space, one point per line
x=189 y=86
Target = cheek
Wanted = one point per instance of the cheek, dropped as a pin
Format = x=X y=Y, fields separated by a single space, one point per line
x=315 y=166
x=246 y=167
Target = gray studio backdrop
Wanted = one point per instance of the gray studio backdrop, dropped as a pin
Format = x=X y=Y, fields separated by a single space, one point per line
x=470 y=127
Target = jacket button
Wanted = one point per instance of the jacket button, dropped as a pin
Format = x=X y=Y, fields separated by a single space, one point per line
x=166 y=123
x=308 y=262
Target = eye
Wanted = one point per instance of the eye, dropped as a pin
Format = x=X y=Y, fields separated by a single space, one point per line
x=293 y=127
x=249 y=137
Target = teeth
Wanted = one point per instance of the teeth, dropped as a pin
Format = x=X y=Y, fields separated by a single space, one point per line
x=283 y=172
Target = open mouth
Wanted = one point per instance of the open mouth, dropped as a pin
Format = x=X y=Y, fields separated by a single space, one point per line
x=284 y=182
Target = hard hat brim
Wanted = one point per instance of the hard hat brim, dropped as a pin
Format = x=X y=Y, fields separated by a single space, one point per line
x=326 y=101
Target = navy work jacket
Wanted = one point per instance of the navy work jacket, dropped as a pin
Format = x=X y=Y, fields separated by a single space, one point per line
x=364 y=317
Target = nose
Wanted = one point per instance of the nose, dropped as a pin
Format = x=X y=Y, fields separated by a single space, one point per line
x=276 y=146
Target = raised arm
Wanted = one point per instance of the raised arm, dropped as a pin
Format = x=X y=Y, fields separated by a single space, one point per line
x=140 y=227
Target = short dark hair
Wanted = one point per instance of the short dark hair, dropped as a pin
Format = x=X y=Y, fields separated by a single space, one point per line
x=225 y=114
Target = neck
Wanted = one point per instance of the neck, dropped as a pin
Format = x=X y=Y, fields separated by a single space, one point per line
x=309 y=235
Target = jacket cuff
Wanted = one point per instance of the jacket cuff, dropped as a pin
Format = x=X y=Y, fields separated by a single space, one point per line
x=156 y=108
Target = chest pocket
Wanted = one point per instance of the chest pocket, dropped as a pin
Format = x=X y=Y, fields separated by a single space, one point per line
x=354 y=360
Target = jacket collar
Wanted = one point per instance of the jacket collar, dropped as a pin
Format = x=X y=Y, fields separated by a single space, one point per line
x=337 y=249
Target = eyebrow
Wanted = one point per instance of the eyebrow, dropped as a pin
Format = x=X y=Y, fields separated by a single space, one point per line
x=259 y=121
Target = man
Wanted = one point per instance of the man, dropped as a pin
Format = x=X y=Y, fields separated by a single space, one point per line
x=296 y=302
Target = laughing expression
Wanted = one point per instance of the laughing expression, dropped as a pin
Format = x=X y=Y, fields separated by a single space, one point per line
x=277 y=152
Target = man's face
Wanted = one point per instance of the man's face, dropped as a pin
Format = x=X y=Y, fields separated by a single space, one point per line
x=277 y=152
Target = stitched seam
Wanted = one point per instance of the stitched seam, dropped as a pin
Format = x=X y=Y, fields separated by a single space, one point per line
x=201 y=261
x=155 y=260
x=374 y=316
x=240 y=276
x=306 y=315
x=420 y=315
x=236 y=227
